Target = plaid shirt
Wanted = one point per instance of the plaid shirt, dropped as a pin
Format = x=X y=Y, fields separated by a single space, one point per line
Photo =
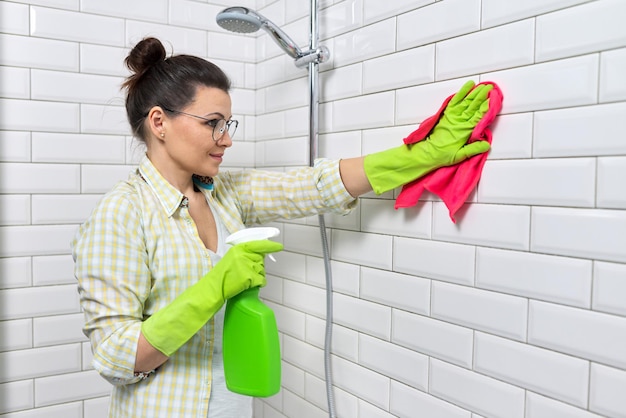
x=139 y=249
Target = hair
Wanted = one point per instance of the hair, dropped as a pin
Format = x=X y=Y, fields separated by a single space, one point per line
x=157 y=80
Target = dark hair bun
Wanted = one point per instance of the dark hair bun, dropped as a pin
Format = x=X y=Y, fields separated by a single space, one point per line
x=144 y=55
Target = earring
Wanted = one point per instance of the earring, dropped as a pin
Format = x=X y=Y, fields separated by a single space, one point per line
x=162 y=134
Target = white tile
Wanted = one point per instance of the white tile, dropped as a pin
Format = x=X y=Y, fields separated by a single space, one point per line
x=75 y=26
x=538 y=406
x=101 y=178
x=292 y=378
x=607 y=387
x=35 y=240
x=370 y=111
x=293 y=405
x=578 y=30
x=58 y=329
x=26 y=51
x=344 y=343
x=51 y=116
x=341 y=83
x=502 y=47
x=305 y=298
x=542 y=371
x=402 y=69
x=152 y=10
x=60 y=86
x=366 y=249
x=496 y=12
x=38 y=362
x=376 y=10
x=340 y=18
x=561 y=280
x=242 y=155
x=365 y=43
x=39 y=301
x=100 y=119
x=15 y=209
x=578 y=125
x=102 y=59
x=512 y=136
x=97 y=407
x=303 y=355
x=62 y=209
x=16 y=396
x=15 y=272
x=432 y=337
x=53 y=269
x=552 y=83
x=401 y=291
x=340 y=145
x=612 y=66
x=178 y=40
x=438 y=21
x=363 y=316
x=70 y=387
x=289 y=321
x=345 y=276
x=14 y=82
x=492 y=312
x=590 y=335
x=470 y=390
x=481 y=224
x=286 y=95
x=543 y=182
x=367 y=410
x=14 y=146
x=291 y=265
x=78 y=148
x=270 y=126
x=611 y=193
x=362 y=382
x=14 y=18
x=586 y=233
x=430 y=259
x=229 y=46
x=379 y=216
x=61 y=4
x=39 y=178
x=296 y=123
x=20 y=332
x=303 y=239
x=609 y=286
x=406 y=400
x=396 y=362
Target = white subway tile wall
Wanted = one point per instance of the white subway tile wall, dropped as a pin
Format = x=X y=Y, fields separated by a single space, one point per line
x=515 y=310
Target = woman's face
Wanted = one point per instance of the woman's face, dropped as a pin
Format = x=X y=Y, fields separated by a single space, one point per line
x=189 y=143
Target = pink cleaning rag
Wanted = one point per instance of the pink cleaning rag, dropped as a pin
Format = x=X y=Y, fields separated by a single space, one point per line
x=452 y=184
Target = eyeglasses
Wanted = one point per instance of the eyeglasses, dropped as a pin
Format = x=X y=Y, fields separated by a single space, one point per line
x=219 y=125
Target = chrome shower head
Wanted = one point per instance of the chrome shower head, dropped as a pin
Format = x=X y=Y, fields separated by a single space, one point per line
x=243 y=20
x=240 y=20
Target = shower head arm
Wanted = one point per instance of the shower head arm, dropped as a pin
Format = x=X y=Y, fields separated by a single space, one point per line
x=282 y=39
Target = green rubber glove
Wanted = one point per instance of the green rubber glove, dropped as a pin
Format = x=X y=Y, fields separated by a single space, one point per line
x=241 y=268
x=444 y=146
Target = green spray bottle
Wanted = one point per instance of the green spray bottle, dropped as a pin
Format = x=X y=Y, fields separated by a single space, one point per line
x=250 y=347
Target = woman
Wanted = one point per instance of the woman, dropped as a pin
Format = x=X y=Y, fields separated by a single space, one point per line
x=151 y=261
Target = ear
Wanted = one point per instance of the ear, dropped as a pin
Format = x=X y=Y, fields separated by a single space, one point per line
x=156 y=121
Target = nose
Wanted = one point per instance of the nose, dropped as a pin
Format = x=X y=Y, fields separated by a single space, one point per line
x=225 y=141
